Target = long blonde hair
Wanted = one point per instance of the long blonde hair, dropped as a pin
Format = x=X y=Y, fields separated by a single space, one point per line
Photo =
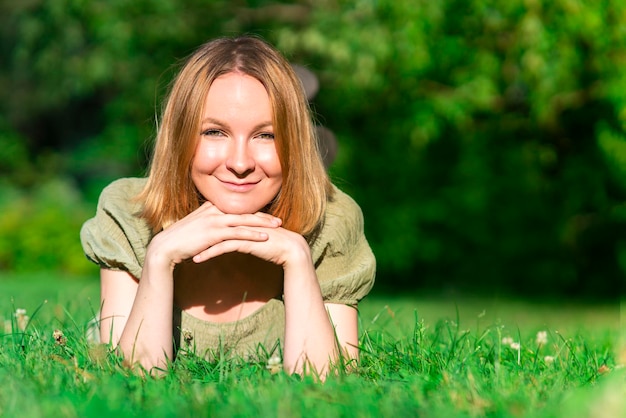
x=170 y=194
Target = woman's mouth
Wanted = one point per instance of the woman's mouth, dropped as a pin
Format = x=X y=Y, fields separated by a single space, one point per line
x=239 y=187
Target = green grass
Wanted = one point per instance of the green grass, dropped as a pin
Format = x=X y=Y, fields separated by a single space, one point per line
x=430 y=356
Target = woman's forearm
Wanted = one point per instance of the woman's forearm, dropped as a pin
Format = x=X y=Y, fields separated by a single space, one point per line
x=147 y=336
x=310 y=343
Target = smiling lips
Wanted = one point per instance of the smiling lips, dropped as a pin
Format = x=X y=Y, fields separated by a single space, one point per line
x=239 y=187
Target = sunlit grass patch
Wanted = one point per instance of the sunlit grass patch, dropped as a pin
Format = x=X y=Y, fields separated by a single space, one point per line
x=426 y=356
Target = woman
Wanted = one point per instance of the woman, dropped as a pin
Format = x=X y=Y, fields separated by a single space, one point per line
x=236 y=240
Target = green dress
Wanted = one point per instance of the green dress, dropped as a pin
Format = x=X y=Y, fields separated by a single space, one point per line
x=117 y=239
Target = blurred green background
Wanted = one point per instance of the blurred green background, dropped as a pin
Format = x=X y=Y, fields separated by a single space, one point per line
x=484 y=140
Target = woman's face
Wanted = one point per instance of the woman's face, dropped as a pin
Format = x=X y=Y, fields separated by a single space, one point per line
x=236 y=165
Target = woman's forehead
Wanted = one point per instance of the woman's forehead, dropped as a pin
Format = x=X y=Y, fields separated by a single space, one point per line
x=237 y=98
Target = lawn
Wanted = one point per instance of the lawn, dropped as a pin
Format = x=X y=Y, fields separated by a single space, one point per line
x=422 y=355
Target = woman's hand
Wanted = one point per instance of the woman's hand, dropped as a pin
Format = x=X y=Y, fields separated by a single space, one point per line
x=205 y=228
x=276 y=245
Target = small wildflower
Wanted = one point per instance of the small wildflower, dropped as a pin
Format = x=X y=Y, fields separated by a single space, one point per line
x=542 y=338
x=187 y=336
x=603 y=369
x=274 y=364
x=507 y=341
x=515 y=346
x=21 y=319
x=58 y=336
x=548 y=359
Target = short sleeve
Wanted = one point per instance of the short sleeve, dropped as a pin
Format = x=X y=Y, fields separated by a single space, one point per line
x=116 y=237
x=345 y=264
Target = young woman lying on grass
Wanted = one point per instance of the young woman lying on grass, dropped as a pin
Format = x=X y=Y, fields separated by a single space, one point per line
x=236 y=239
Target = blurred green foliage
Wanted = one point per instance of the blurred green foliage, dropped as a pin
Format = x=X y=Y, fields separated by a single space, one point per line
x=484 y=140
x=38 y=229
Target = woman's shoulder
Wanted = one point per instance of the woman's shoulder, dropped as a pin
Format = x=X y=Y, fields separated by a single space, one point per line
x=117 y=236
x=119 y=198
x=342 y=224
x=343 y=212
x=123 y=189
x=119 y=201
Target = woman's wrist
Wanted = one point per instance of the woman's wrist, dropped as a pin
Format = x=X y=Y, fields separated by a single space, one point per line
x=298 y=256
x=157 y=257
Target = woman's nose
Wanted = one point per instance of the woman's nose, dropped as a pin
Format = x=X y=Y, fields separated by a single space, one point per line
x=240 y=161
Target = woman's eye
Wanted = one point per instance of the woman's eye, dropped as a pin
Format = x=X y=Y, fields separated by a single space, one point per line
x=266 y=135
x=212 y=132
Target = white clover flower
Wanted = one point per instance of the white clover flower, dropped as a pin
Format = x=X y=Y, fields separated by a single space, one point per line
x=21 y=319
x=542 y=338
x=548 y=359
x=515 y=346
x=507 y=341
x=274 y=361
x=274 y=364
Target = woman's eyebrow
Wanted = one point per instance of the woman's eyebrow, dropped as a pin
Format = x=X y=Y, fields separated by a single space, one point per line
x=212 y=120
x=262 y=125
